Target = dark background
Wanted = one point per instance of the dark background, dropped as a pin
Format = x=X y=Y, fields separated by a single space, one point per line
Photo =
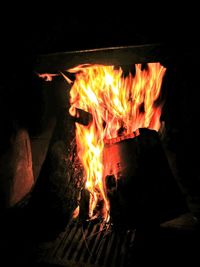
x=30 y=30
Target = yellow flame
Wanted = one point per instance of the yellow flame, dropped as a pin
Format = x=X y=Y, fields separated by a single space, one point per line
x=114 y=102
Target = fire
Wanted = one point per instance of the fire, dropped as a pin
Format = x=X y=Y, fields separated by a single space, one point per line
x=119 y=106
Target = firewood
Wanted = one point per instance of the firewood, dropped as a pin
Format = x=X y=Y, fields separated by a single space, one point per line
x=140 y=185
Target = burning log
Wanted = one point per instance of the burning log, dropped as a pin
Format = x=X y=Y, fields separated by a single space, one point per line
x=83 y=117
x=119 y=105
x=84 y=205
x=139 y=182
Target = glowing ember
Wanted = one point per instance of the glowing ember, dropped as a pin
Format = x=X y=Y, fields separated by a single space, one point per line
x=47 y=76
x=119 y=106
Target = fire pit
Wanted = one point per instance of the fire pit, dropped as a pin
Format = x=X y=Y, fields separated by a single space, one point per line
x=114 y=102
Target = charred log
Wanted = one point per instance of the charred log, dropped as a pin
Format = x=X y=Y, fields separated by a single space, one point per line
x=140 y=185
x=82 y=117
x=84 y=205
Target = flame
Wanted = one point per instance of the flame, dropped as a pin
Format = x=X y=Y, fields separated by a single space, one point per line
x=76 y=212
x=48 y=77
x=115 y=102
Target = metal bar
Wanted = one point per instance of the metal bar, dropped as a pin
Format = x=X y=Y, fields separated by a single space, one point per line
x=60 y=242
x=80 y=244
x=109 y=249
x=95 y=235
x=71 y=235
x=102 y=247
x=96 y=246
x=114 y=262
x=125 y=247
x=74 y=243
x=124 y=55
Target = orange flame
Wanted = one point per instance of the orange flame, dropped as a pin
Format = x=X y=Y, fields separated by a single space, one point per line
x=48 y=77
x=115 y=102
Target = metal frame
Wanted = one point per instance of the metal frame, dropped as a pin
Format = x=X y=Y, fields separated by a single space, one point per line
x=124 y=55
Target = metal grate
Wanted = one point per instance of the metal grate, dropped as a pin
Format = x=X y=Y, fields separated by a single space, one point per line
x=93 y=244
